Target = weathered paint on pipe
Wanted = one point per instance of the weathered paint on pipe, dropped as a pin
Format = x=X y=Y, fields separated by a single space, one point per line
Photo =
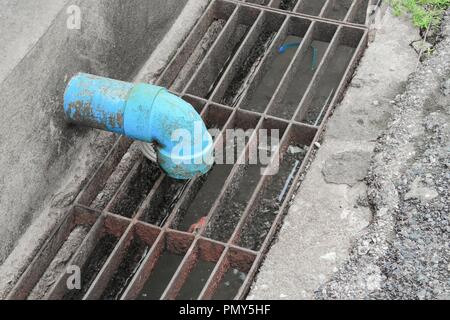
x=146 y=113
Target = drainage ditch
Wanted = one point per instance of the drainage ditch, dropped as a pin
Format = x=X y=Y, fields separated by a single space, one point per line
x=137 y=234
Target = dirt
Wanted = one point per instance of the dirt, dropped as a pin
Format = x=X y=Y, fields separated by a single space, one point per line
x=115 y=180
x=139 y=187
x=196 y=280
x=198 y=54
x=339 y=9
x=59 y=263
x=93 y=265
x=312 y=7
x=160 y=277
x=164 y=201
x=288 y=4
x=258 y=225
x=246 y=72
x=261 y=2
x=294 y=94
x=239 y=35
x=135 y=254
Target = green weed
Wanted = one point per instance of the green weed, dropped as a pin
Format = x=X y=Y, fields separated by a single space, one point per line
x=423 y=12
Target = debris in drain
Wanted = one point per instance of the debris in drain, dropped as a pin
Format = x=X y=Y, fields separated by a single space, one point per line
x=135 y=255
x=260 y=97
x=196 y=280
x=139 y=187
x=239 y=36
x=115 y=180
x=196 y=227
x=160 y=277
x=230 y=285
x=160 y=207
x=199 y=53
x=59 y=263
x=93 y=265
x=288 y=4
x=258 y=225
x=225 y=220
x=246 y=72
x=303 y=76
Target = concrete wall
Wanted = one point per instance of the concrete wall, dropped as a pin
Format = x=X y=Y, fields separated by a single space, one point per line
x=40 y=153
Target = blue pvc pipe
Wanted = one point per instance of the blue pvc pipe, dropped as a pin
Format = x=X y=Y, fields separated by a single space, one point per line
x=147 y=113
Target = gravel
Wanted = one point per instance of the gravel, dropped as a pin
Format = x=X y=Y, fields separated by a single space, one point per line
x=405 y=253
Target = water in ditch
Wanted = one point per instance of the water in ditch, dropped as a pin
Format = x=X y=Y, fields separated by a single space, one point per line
x=198 y=54
x=160 y=277
x=260 y=222
x=225 y=220
x=116 y=178
x=297 y=88
x=246 y=72
x=260 y=97
x=196 y=280
x=288 y=4
x=93 y=265
x=230 y=284
x=160 y=207
x=135 y=255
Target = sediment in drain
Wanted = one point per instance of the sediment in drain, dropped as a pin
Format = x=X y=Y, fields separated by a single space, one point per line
x=246 y=72
x=59 y=263
x=93 y=265
x=135 y=254
x=225 y=220
x=339 y=9
x=198 y=54
x=288 y=4
x=139 y=187
x=259 y=224
x=115 y=180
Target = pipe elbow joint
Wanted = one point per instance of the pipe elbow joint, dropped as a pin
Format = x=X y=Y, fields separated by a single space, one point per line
x=146 y=113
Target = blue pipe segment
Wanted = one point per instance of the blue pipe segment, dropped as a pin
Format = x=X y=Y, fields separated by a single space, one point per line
x=146 y=113
x=291 y=45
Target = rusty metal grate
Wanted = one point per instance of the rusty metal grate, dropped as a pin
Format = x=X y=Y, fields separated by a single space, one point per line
x=138 y=244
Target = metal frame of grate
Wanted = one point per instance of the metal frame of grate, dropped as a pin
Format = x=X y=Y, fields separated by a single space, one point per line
x=219 y=62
